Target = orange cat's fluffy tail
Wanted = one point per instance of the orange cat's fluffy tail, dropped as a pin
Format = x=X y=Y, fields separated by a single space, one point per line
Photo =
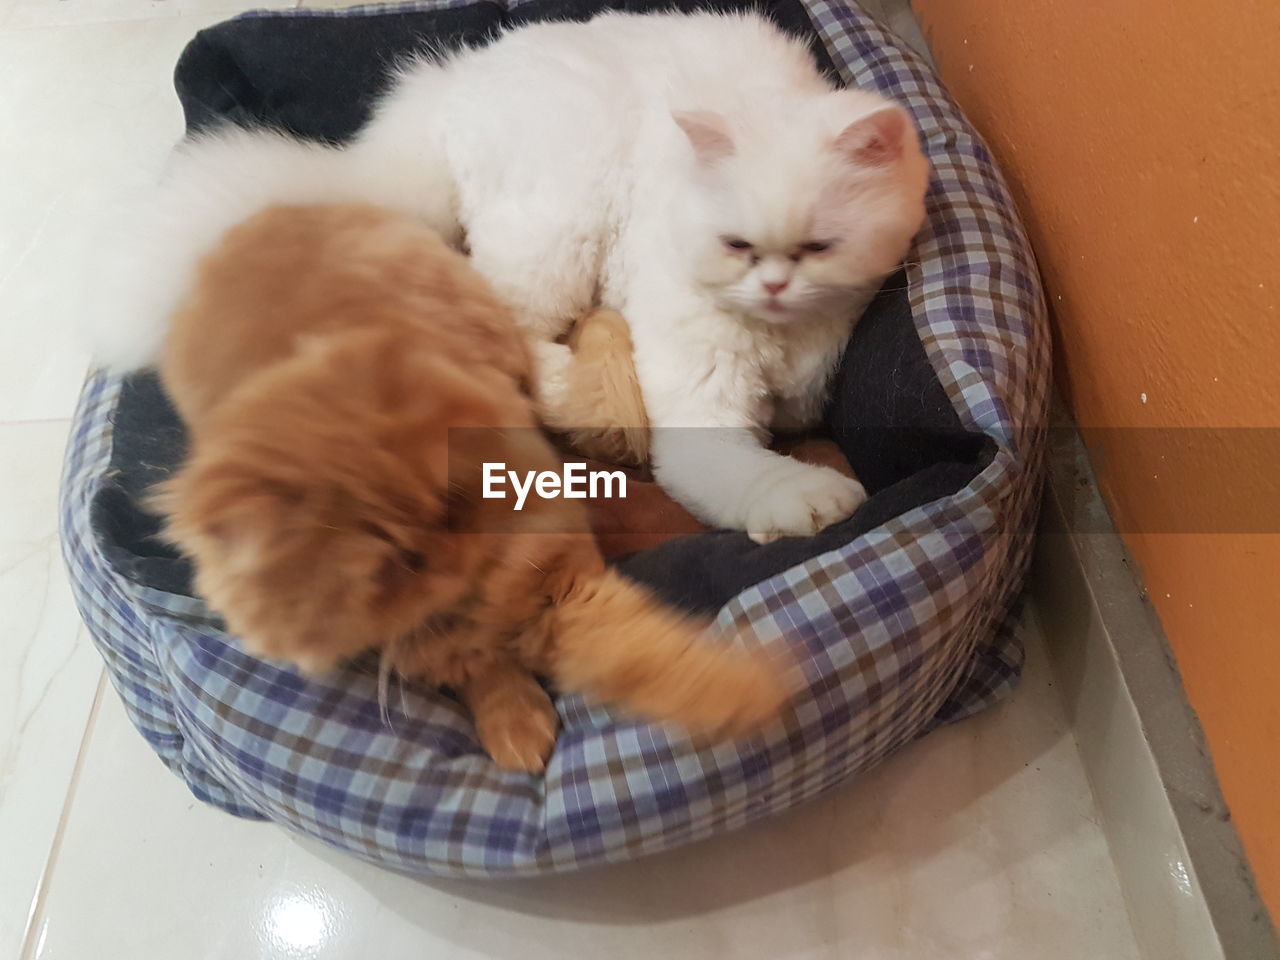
x=614 y=641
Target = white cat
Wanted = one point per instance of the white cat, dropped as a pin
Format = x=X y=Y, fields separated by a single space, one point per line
x=698 y=174
x=694 y=172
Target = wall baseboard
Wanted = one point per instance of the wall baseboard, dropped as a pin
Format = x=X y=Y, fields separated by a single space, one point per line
x=1188 y=888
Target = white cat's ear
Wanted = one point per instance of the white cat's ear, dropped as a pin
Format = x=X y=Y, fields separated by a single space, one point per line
x=707 y=133
x=876 y=139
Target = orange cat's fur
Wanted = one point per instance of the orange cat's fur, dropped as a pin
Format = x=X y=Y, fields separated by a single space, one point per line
x=320 y=360
x=600 y=410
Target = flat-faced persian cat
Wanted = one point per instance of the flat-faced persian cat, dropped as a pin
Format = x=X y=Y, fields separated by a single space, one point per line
x=698 y=174
x=320 y=359
x=694 y=171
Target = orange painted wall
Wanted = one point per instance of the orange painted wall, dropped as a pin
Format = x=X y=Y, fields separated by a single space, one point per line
x=1142 y=142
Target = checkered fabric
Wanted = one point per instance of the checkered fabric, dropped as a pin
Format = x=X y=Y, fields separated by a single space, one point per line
x=900 y=629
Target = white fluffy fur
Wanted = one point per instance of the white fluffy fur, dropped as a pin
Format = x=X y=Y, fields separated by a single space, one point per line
x=152 y=244
x=611 y=162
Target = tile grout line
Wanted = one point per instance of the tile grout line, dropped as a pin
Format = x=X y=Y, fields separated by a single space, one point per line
x=225 y=11
x=34 y=421
x=29 y=946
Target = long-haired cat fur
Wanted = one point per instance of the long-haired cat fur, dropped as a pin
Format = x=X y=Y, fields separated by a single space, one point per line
x=696 y=172
x=344 y=375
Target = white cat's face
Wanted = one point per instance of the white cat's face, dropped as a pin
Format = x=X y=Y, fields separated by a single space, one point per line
x=810 y=223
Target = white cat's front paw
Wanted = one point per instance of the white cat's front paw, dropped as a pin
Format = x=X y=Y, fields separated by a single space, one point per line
x=802 y=502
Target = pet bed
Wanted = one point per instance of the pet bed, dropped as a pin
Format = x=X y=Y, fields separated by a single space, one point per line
x=901 y=617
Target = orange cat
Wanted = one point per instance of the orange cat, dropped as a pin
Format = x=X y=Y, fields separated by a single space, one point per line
x=320 y=361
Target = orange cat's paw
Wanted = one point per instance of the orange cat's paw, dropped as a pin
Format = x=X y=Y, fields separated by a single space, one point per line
x=520 y=732
x=601 y=329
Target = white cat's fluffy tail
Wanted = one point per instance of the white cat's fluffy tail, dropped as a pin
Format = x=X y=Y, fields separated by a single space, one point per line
x=147 y=255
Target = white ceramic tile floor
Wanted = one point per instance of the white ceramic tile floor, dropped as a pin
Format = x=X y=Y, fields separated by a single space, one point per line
x=979 y=842
x=48 y=669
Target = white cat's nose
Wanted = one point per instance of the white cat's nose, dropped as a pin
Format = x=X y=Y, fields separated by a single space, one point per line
x=775 y=287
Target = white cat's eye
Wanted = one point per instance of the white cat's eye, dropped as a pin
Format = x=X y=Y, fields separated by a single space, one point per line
x=736 y=243
x=817 y=246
